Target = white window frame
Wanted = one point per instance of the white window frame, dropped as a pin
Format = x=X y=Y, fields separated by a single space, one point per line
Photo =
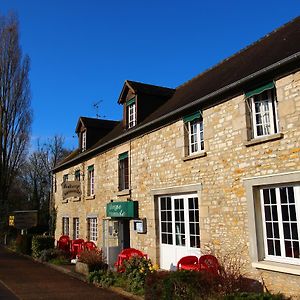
x=92 y=229
x=131 y=111
x=83 y=141
x=280 y=258
x=91 y=183
x=269 y=116
x=195 y=136
x=75 y=228
x=65 y=226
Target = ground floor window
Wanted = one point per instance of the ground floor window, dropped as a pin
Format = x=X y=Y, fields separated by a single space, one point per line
x=179 y=228
x=65 y=226
x=92 y=227
x=280 y=213
x=75 y=228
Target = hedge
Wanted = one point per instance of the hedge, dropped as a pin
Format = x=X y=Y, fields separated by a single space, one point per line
x=40 y=243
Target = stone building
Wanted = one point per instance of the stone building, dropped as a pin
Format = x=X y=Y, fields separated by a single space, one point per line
x=214 y=163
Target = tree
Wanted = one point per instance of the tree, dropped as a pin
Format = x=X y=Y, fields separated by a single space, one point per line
x=37 y=177
x=15 y=108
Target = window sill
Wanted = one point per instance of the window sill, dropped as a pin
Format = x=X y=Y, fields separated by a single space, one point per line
x=91 y=197
x=123 y=192
x=194 y=156
x=256 y=141
x=277 y=267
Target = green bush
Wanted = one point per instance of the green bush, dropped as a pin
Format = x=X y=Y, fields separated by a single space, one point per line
x=103 y=278
x=41 y=242
x=50 y=254
x=181 y=285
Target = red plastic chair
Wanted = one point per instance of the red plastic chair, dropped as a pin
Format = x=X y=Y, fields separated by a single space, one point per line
x=76 y=247
x=209 y=263
x=64 y=243
x=189 y=262
x=125 y=254
x=89 y=245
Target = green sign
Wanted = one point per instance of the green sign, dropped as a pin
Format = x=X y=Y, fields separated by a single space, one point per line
x=128 y=209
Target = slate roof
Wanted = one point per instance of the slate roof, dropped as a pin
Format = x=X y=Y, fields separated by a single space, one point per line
x=271 y=52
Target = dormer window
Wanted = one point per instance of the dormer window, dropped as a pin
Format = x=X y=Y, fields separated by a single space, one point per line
x=131 y=113
x=83 y=141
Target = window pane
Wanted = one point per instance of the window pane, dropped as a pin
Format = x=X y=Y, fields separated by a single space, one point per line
x=293 y=213
x=283 y=197
x=267 y=213
x=270 y=247
x=286 y=230
x=288 y=249
x=269 y=229
x=277 y=248
x=296 y=249
x=266 y=196
x=285 y=213
x=294 y=231
x=276 y=230
x=163 y=203
x=291 y=195
x=274 y=213
x=273 y=196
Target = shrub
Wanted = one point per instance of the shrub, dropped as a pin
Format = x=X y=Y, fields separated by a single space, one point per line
x=94 y=259
x=136 y=270
x=102 y=278
x=181 y=285
x=41 y=242
x=50 y=254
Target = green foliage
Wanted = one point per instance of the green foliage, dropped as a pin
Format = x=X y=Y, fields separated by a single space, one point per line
x=103 y=278
x=181 y=285
x=54 y=253
x=41 y=242
x=59 y=261
x=23 y=244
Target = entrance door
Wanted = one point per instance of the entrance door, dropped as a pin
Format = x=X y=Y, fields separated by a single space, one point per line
x=124 y=235
x=179 y=228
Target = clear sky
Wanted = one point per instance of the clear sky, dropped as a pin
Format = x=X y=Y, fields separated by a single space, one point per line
x=82 y=51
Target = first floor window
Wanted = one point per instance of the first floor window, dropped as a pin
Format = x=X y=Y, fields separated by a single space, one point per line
x=262 y=104
x=65 y=226
x=280 y=207
x=91 y=187
x=195 y=137
x=75 y=228
x=92 y=225
x=123 y=171
x=179 y=221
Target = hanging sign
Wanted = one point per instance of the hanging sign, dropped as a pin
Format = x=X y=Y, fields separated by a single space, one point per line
x=24 y=219
x=128 y=209
x=71 y=189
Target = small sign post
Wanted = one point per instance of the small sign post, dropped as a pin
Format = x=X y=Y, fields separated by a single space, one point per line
x=23 y=219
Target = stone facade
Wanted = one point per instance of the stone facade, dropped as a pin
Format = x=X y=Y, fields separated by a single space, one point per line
x=158 y=161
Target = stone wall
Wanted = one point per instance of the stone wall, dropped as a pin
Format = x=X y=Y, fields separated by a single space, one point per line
x=157 y=160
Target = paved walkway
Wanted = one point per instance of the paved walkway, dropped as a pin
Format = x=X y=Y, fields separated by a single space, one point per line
x=23 y=278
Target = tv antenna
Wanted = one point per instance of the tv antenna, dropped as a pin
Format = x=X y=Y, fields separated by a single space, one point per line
x=96 y=107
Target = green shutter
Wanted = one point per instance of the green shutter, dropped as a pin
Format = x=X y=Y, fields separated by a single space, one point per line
x=123 y=155
x=131 y=101
x=259 y=90
x=192 y=117
x=91 y=168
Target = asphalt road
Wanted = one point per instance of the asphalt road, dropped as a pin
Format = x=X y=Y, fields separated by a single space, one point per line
x=23 y=278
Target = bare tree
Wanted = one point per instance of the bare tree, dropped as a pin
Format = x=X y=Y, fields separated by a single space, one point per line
x=15 y=108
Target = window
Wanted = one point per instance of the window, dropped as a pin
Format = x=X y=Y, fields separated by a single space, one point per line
x=65 y=226
x=75 y=228
x=123 y=172
x=194 y=126
x=92 y=229
x=280 y=208
x=90 y=183
x=83 y=141
x=77 y=175
x=263 y=111
x=65 y=178
x=131 y=113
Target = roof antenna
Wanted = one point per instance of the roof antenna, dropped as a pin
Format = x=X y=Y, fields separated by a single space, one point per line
x=96 y=106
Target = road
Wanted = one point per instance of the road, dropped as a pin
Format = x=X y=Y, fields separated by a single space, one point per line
x=23 y=278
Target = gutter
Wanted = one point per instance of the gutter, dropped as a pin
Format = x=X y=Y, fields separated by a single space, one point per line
x=263 y=71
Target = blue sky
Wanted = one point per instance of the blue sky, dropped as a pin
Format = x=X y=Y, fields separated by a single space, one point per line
x=82 y=51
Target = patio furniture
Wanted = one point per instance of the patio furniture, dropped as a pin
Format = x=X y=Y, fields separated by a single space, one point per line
x=209 y=263
x=76 y=247
x=64 y=243
x=189 y=262
x=126 y=254
x=89 y=245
